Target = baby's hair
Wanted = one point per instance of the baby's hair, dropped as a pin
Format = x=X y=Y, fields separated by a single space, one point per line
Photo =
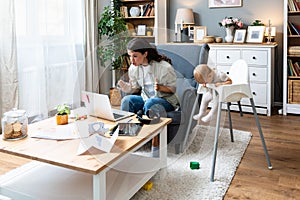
x=200 y=72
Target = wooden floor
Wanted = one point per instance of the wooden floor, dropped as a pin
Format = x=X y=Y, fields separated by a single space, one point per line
x=253 y=179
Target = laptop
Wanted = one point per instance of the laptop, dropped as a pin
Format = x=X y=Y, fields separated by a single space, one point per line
x=98 y=105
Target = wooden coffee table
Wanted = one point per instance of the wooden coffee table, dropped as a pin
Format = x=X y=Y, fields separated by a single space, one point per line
x=58 y=172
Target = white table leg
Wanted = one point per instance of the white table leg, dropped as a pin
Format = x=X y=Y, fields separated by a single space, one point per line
x=163 y=150
x=99 y=186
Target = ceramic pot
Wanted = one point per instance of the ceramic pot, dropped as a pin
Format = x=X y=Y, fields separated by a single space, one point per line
x=229 y=34
x=134 y=11
x=61 y=119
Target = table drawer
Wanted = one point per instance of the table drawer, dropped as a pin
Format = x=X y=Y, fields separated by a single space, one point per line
x=258 y=74
x=227 y=56
x=255 y=57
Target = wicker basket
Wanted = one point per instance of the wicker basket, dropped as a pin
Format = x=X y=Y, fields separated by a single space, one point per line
x=294 y=91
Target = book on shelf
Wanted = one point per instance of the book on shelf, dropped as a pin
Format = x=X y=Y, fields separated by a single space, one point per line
x=124 y=11
x=293 y=5
x=297 y=4
x=294 y=28
x=293 y=68
x=297 y=68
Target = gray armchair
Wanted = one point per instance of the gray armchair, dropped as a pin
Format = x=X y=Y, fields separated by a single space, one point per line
x=184 y=59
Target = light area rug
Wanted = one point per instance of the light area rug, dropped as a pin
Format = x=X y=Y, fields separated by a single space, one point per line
x=181 y=182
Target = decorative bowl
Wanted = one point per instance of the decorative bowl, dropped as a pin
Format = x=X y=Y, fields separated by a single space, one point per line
x=208 y=39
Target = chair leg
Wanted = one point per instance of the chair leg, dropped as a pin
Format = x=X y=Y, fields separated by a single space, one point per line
x=190 y=122
x=230 y=122
x=261 y=134
x=216 y=142
x=240 y=108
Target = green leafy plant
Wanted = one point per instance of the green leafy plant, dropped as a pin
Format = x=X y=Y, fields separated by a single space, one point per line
x=113 y=36
x=257 y=23
x=63 y=109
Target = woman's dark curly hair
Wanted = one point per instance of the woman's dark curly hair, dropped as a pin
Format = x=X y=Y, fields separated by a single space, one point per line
x=141 y=45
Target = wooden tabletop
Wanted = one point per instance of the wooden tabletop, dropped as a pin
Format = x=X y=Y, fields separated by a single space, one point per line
x=64 y=152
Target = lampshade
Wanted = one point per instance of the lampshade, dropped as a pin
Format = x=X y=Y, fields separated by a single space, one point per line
x=184 y=15
x=273 y=31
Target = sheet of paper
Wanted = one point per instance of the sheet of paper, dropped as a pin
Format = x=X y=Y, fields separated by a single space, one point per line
x=62 y=132
x=100 y=142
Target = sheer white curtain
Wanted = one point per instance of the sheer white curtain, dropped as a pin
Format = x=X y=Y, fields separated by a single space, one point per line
x=50 y=53
x=8 y=64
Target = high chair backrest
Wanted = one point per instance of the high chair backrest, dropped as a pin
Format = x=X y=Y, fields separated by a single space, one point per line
x=239 y=72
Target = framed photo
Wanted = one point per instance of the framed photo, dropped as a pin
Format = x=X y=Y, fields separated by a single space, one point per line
x=199 y=33
x=191 y=33
x=224 y=3
x=239 y=36
x=141 y=30
x=255 y=34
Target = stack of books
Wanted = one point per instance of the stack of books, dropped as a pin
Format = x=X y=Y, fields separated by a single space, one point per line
x=294 y=50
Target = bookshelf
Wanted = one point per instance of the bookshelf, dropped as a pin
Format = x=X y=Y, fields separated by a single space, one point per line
x=151 y=23
x=291 y=58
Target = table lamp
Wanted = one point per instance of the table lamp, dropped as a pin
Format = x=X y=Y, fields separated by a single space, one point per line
x=184 y=16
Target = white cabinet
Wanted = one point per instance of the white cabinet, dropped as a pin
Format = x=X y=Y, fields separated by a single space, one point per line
x=261 y=62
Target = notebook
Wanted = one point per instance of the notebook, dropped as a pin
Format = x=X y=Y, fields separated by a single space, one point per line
x=98 y=105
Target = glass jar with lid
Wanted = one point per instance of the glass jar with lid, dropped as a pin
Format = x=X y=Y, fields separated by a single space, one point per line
x=14 y=125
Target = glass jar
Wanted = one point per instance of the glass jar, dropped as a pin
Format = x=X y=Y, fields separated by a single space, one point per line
x=14 y=125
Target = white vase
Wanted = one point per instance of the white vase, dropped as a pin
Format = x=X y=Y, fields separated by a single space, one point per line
x=134 y=11
x=229 y=34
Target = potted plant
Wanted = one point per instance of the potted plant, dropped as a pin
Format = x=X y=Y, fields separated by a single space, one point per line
x=62 y=114
x=114 y=36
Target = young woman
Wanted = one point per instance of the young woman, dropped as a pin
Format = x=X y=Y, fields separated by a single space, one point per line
x=151 y=74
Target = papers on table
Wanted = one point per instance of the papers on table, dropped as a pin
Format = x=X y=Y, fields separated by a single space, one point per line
x=91 y=134
x=98 y=141
x=65 y=132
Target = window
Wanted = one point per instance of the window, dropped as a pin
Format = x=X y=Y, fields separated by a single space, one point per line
x=50 y=53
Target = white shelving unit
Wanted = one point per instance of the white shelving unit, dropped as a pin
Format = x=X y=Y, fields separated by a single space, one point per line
x=158 y=22
x=291 y=84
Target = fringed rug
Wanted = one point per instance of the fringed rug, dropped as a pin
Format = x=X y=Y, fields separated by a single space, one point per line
x=181 y=182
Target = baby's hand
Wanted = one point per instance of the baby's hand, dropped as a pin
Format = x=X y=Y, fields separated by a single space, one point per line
x=218 y=84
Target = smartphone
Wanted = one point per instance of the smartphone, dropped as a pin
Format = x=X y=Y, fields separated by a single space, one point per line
x=129 y=129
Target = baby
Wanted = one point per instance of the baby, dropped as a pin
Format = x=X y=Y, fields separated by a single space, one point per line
x=203 y=75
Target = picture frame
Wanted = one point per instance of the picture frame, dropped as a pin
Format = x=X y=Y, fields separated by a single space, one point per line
x=191 y=33
x=224 y=3
x=199 y=33
x=141 y=30
x=255 y=34
x=239 y=36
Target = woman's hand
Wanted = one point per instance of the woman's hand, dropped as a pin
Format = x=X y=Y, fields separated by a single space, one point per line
x=163 y=88
x=124 y=86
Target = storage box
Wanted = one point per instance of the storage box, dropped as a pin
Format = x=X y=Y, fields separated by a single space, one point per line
x=294 y=91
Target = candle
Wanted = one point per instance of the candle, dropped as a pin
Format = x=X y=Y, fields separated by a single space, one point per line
x=189 y=30
x=175 y=27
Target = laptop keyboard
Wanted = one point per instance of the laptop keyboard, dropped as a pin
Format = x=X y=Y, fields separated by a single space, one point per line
x=116 y=116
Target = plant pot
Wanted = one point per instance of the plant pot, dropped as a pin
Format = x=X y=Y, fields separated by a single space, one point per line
x=61 y=119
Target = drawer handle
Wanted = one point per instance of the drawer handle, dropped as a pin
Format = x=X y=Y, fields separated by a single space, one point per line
x=254 y=58
x=253 y=93
x=253 y=74
x=227 y=57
